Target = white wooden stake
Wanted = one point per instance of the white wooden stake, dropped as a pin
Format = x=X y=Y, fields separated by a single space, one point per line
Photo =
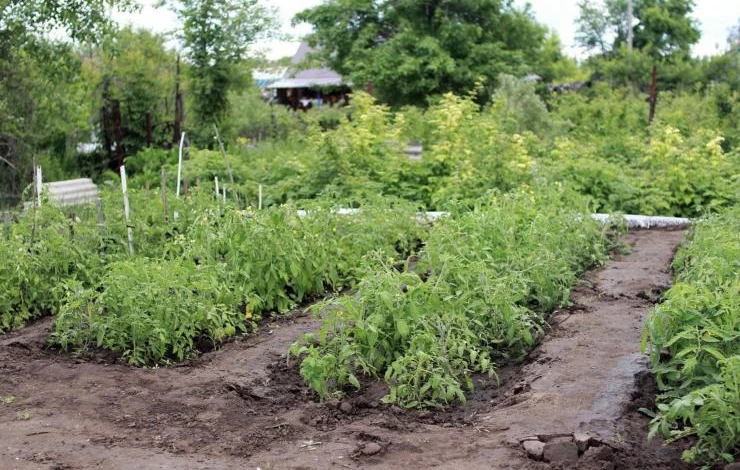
x=179 y=165
x=39 y=185
x=224 y=193
x=215 y=180
x=259 y=200
x=126 y=210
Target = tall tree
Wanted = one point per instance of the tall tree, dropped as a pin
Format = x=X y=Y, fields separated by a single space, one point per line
x=413 y=49
x=661 y=28
x=80 y=20
x=40 y=87
x=133 y=75
x=216 y=35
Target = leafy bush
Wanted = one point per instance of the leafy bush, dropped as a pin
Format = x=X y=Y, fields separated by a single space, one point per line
x=477 y=295
x=223 y=271
x=126 y=313
x=694 y=343
x=45 y=254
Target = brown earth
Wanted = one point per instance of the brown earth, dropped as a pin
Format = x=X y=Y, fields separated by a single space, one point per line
x=244 y=406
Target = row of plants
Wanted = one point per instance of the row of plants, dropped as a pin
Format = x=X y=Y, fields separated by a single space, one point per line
x=201 y=272
x=42 y=254
x=693 y=338
x=223 y=273
x=477 y=295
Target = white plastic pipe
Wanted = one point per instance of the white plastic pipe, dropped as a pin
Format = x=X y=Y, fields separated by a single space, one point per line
x=633 y=221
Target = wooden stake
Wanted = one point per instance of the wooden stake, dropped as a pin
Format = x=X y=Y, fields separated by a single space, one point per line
x=39 y=185
x=653 y=95
x=126 y=211
x=215 y=182
x=164 y=193
x=101 y=217
x=179 y=165
x=6 y=223
x=226 y=159
x=259 y=198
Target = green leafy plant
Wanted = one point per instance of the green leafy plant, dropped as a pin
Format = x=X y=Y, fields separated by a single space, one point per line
x=477 y=295
x=693 y=338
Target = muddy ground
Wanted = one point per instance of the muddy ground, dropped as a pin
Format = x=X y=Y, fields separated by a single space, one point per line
x=244 y=406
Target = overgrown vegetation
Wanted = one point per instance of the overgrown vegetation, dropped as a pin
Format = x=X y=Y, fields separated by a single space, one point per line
x=517 y=162
x=694 y=343
x=220 y=272
x=476 y=296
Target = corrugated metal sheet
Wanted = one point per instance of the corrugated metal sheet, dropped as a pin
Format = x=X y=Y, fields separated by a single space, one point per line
x=72 y=192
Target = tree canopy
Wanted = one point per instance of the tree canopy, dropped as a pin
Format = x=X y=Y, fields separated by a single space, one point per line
x=413 y=49
x=661 y=28
x=216 y=35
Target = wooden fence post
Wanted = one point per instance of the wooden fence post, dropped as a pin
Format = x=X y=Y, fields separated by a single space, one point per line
x=39 y=185
x=126 y=211
x=101 y=217
x=164 y=193
x=6 y=224
x=179 y=165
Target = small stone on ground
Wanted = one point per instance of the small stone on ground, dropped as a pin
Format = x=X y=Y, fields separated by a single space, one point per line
x=534 y=449
x=562 y=451
x=371 y=448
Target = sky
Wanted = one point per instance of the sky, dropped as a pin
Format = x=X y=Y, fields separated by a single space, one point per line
x=715 y=18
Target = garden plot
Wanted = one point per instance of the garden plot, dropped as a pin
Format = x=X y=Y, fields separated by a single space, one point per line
x=244 y=406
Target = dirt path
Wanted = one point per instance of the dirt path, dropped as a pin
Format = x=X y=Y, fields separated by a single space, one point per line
x=243 y=407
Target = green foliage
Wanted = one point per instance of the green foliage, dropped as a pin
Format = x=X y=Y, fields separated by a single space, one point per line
x=520 y=109
x=125 y=313
x=698 y=326
x=600 y=145
x=681 y=168
x=134 y=69
x=476 y=296
x=41 y=95
x=216 y=35
x=81 y=20
x=415 y=50
x=660 y=28
x=45 y=256
x=221 y=270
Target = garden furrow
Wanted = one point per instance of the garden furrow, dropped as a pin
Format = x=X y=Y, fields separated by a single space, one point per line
x=243 y=406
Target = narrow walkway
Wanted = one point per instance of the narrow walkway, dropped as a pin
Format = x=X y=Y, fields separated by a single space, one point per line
x=579 y=379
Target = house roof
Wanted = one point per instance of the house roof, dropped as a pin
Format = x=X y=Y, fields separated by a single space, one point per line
x=311 y=77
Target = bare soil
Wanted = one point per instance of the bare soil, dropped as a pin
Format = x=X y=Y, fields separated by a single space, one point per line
x=244 y=405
